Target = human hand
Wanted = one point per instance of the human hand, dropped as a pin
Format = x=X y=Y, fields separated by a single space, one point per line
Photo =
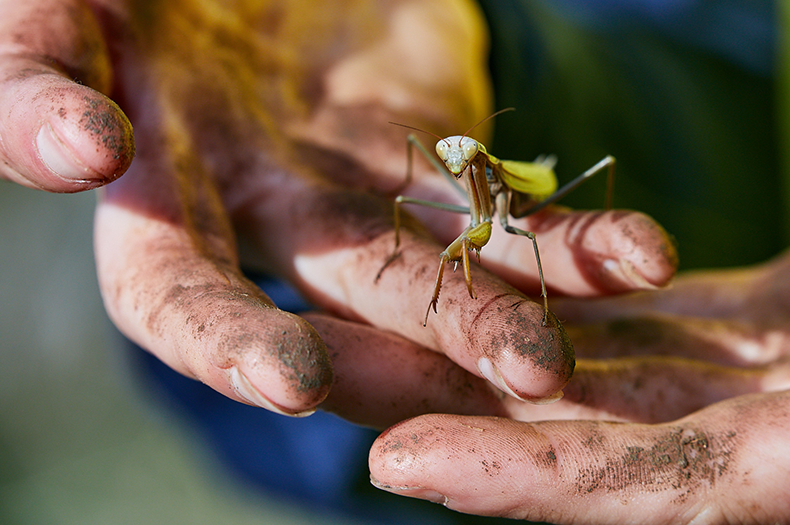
x=266 y=126
x=677 y=413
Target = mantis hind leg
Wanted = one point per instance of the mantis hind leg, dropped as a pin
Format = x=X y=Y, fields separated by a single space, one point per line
x=607 y=163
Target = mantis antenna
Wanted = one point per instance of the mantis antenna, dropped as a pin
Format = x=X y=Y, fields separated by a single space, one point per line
x=489 y=117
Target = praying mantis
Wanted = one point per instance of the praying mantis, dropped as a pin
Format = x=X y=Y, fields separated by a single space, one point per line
x=491 y=186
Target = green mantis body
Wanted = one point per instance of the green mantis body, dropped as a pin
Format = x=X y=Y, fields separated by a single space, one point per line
x=491 y=186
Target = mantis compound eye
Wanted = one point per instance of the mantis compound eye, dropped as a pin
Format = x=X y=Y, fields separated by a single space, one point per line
x=470 y=149
x=442 y=149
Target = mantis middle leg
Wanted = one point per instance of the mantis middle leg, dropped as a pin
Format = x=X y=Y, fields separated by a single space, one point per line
x=401 y=199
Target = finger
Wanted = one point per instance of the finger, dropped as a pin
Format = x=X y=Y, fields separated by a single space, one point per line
x=381 y=378
x=719 y=294
x=654 y=389
x=170 y=281
x=754 y=295
x=718 y=341
x=337 y=242
x=727 y=463
x=585 y=253
x=56 y=134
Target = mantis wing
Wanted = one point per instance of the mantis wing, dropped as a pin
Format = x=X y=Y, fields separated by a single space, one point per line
x=535 y=179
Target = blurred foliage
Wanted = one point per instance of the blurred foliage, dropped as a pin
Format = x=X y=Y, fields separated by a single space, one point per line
x=783 y=99
x=694 y=129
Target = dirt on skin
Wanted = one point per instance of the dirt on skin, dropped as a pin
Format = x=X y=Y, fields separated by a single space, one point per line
x=294 y=345
x=674 y=462
x=101 y=119
x=509 y=323
x=683 y=459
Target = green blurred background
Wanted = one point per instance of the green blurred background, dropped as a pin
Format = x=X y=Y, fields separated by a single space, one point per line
x=683 y=94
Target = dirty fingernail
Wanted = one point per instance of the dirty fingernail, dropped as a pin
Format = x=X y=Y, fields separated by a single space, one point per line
x=625 y=271
x=553 y=398
x=413 y=492
x=490 y=371
x=59 y=159
x=245 y=389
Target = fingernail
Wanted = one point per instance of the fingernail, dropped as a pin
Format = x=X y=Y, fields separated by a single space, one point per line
x=413 y=492
x=245 y=389
x=59 y=159
x=553 y=398
x=490 y=371
x=625 y=270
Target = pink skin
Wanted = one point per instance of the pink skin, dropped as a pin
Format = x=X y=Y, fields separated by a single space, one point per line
x=701 y=429
x=725 y=464
x=58 y=135
x=237 y=145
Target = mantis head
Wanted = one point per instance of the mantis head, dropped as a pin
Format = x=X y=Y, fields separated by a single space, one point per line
x=456 y=152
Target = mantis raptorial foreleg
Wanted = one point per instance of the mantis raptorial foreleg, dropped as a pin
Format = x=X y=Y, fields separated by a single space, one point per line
x=472 y=238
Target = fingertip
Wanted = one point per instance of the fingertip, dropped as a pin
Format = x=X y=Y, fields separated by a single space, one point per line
x=63 y=137
x=85 y=139
x=469 y=464
x=628 y=251
x=288 y=372
x=57 y=133
x=520 y=355
x=397 y=454
x=245 y=389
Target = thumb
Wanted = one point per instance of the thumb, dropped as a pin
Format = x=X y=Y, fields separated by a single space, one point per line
x=57 y=132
